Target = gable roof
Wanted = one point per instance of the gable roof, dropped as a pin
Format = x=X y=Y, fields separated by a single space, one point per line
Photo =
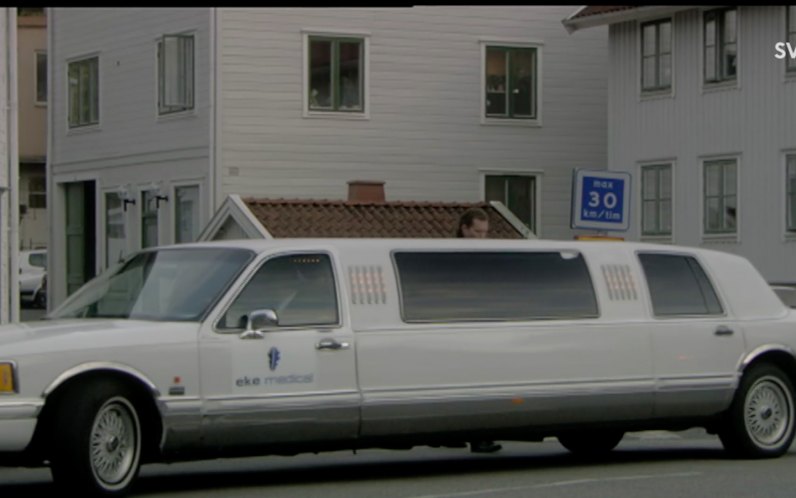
x=305 y=218
x=589 y=16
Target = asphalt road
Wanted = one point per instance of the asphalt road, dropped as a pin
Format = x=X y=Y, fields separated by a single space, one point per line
x=645 y=465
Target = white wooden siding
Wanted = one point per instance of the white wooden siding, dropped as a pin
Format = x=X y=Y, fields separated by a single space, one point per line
x=129 y=131
x=755 y=121
x=424 y=136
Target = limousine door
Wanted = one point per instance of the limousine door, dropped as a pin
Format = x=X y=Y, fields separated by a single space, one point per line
x=291 y=383
x=500 y=340
x=697 y=346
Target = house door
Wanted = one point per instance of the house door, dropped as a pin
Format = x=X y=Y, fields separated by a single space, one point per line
x=80 y=234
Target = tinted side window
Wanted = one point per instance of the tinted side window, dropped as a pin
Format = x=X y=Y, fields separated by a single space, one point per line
x=300 y=288
x=462 y=286
x=679 y=286
x=38 y=259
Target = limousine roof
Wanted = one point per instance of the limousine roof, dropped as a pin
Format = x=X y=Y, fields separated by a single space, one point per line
x=261 y=245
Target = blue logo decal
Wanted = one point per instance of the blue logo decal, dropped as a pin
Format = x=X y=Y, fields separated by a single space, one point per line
x=273 y=358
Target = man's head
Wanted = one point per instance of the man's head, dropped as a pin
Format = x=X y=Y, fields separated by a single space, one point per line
x=473 y=224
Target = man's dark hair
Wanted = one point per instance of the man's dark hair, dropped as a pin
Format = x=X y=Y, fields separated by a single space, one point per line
x=468 y=217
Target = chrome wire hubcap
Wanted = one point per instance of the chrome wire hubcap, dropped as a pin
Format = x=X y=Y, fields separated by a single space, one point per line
x=113 y=443
x=768 y=411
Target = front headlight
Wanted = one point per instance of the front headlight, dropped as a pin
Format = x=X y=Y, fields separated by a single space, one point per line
x=8 y=383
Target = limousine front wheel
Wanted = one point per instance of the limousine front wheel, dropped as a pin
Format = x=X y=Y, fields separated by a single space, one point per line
x=760 y=422
x=97 y=440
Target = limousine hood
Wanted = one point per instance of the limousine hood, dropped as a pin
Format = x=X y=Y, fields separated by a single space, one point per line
x=72 y=334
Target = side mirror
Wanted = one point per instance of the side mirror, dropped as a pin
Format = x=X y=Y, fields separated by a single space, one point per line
x=262 y=319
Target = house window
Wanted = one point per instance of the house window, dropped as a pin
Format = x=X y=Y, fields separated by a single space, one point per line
x=721 y=199
x=41 y=77
x=115 y=234
x=336 y=74
x=84 y=92
x=175 y=73
x=186 y=217
x=791 y=192
x=516 y=192
x=656 y=55
x=721 y=45
x=149 y=218
x=791 y=23
x=37 y=192
x=511 y=81
x=656 y=199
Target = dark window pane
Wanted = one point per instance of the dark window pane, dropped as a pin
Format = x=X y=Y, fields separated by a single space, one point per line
x=350 y=75
x=41 y=77
x=519 y=198
x=320 y=74
x=648 y=40
x=495 y=189
x=522 y=67
x=678 y=285
x=495 y=82
x=476 y=286
x=299 y=288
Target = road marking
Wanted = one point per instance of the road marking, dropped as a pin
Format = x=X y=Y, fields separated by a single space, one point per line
x=575 y=482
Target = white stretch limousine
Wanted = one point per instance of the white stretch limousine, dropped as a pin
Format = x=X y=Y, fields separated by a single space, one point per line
x=279 y=347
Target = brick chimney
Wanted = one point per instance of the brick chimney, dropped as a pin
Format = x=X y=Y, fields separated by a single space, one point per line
x=365 y=191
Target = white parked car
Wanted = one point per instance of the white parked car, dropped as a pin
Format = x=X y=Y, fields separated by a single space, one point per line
x=279 y=347
x=32 y=270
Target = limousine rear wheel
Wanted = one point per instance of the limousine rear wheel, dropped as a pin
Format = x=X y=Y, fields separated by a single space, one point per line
x=590 y=443
x=760 y=421
x=97 y=440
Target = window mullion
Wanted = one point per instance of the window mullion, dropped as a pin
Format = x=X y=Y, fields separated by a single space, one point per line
x=509 y=86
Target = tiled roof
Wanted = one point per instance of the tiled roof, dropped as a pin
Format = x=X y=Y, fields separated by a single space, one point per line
x=593 y=10
x=329 y=218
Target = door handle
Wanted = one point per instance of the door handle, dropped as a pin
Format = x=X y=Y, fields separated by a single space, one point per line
x=724 y=330
x=332 y=344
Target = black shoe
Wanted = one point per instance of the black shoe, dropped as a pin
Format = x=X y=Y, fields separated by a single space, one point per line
x=484 y=447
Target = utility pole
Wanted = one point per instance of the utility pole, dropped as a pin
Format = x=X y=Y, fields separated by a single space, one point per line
x=9 y=168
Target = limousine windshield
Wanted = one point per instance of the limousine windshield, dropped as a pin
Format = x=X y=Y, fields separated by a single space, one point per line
x=167 y=285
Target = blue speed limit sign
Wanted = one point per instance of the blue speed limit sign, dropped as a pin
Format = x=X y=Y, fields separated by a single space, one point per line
x=601 y=200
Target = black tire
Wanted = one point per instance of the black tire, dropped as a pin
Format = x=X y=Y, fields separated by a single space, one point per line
x=591 y=443
x=760 y=420
x=40 y=300
x=97 y=440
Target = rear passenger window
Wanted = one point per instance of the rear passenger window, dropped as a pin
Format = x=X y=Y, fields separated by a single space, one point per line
x=679 y=286
x=474 y=286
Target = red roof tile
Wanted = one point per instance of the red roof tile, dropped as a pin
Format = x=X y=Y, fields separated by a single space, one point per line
x=328 y=218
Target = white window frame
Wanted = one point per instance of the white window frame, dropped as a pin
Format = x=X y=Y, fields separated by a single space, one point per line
x=173 y=199
x=662 y=91
x=724 y=84
x=661 y=237
x=92 y=125
x=306 y=34
x=188 y=107
x=513 y=43
x=789 y=231
x=36 y=55
x=538 y=176
x=720 y=236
